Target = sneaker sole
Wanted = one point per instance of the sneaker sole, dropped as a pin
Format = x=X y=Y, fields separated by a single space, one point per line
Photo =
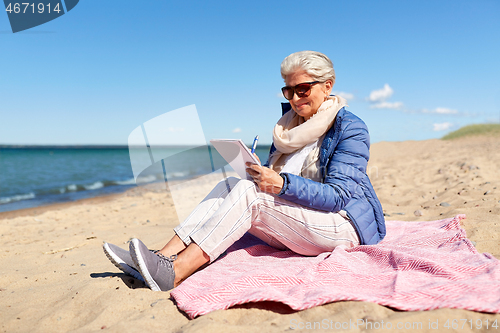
x=141 y=265
x=120 y=264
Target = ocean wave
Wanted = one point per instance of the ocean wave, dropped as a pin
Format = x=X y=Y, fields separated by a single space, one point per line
x=18 y=197
x=72 y=187
x=177 y=175
x=130 y=181
x=94 y=186
x=146 y=179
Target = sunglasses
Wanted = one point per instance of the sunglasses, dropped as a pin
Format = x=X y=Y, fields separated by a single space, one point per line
x=301 y=89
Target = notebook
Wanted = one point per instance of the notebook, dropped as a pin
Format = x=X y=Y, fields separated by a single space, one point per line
x=236 y=153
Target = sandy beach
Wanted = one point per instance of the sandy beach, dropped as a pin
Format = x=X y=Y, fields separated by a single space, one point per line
x=55 y=277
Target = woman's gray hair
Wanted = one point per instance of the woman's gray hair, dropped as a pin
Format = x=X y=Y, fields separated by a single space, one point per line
x=316 y=64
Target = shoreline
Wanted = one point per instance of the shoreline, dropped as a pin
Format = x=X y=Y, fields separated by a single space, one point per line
x=35 y=211
x=137 y=190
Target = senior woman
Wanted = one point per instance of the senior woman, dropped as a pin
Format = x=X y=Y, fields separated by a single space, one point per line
x=312 y=196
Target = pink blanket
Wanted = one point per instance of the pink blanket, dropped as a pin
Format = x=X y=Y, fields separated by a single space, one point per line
x=418 y=266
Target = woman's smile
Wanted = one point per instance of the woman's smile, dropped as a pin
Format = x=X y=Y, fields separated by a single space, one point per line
x=301 y=105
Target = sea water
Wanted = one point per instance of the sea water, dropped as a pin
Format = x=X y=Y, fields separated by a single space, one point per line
x=36 y=176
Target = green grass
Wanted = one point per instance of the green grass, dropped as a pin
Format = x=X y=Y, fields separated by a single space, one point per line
x=474 y=130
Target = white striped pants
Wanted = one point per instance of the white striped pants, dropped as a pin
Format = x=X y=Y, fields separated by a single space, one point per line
x=225 y=216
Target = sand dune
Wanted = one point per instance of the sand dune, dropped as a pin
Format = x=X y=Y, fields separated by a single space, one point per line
x=55 y=277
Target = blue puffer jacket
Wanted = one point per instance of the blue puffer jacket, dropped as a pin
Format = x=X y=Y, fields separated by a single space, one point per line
x=345 y=185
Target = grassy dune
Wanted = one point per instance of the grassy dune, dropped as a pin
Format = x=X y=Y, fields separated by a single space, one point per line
x=474 y=130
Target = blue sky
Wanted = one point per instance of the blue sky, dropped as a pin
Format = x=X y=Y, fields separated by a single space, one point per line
x=412 y=70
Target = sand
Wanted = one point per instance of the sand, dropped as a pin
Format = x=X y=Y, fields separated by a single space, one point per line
x=55 y=277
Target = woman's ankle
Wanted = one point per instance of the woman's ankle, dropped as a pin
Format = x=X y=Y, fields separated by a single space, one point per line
x=188 y=262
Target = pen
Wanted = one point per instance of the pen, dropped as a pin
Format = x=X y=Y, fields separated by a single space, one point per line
x=255 y=143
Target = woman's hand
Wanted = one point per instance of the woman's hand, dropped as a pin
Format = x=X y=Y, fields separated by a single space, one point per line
x=267 y=179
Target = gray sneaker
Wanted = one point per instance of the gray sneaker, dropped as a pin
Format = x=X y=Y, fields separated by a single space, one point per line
x=121 y=259
x=156 y=269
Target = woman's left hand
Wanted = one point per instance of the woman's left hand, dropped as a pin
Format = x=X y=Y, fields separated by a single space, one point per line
x=266 y=179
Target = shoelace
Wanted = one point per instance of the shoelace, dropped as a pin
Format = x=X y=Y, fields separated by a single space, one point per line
x=164 y=260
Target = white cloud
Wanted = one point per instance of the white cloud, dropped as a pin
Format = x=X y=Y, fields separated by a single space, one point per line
x=445 y=111
x=440 y=111
x=381 y=95
x=387 y=105
x=343 y=94
x=237 y=130
x=378 y=99
x=441 y=126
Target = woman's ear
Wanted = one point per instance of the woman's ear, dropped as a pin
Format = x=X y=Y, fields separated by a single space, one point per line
x=328 y=87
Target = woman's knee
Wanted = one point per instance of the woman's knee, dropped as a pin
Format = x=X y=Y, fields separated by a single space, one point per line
x=232 y=181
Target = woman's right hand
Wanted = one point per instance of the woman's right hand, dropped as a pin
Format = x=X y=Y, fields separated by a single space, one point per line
x=266 y=179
